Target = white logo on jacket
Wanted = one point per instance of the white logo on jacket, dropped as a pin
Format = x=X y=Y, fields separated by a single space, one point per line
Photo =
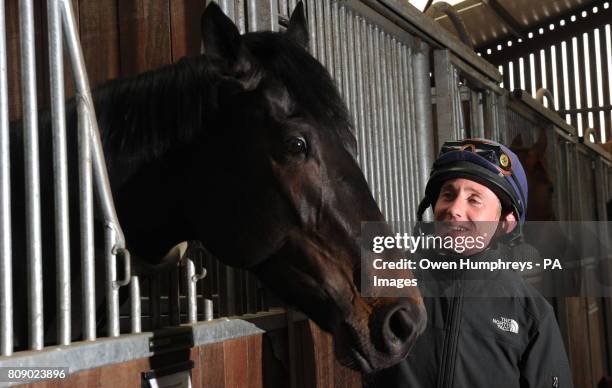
x=506 y=324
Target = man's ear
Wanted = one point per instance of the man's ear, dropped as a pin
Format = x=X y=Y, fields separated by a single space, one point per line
x=508 y=221
x=298 y=30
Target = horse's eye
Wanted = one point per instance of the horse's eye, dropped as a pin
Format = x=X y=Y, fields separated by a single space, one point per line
x=296 y=145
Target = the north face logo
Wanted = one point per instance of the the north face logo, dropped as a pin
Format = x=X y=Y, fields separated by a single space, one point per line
x=506 y=324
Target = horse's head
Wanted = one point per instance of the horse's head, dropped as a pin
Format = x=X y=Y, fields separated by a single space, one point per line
x=540 y=183
x=284 y=195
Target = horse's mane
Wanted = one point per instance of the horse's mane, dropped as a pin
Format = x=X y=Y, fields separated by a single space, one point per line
x=146 y=115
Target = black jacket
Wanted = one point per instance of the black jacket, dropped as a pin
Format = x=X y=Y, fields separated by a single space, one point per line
x=488 y=329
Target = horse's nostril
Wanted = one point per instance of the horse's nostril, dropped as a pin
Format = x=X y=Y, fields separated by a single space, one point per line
x=400 y=324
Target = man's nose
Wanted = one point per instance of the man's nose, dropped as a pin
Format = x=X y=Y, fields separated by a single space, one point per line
x=456 y=209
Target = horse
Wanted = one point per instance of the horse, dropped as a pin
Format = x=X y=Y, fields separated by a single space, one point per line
x=250 y=150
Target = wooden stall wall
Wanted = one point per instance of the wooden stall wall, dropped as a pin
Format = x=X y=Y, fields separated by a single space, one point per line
x=119 y=38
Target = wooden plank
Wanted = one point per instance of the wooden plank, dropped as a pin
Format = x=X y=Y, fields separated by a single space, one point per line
x=537 y=64
x=582 y=69
x=594 y=83
x=527 y=75
x=580 y=359
x=560 y=84
x=196 y=372
x=594 y=319
x=99 y=28
x=185 y=27
x=144 y=33
x=571 y=80
x=605 y=80
x=254 y=357
x=212 y=364
x=516 y=73
x=126 y=374
x=235 y=359
x=506 y=76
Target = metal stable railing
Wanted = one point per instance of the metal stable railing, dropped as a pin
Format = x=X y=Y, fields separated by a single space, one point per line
x=92 y=174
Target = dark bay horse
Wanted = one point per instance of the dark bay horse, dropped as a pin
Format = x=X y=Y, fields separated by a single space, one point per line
x=250 y=150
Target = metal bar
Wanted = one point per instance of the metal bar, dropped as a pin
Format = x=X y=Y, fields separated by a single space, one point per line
x=368 y=127
x=373 y=110
x=389 y=171
x=135 y=308
x=112 y=289
x=396 y=138
x=6 y=265
x=262 y=15
x=312 y=27
x=443 y=76
x=560 y=90
x=91 y=156
x=412 y=128
x=327 y=35
x=399 y=129
x=86 y=223
x=356 y=66
x=422 y=108
x=605 y=83
x=582 y=69
x=32 y=174
x=571 y=81
x=380 y=130
x=319 y=31
x=594 y=83
x=190 y=284
x=60 y=172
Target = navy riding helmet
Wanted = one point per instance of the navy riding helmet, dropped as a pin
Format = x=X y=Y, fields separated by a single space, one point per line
x=486 y=162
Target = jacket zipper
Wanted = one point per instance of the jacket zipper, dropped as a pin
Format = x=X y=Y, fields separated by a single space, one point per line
x=450 y=341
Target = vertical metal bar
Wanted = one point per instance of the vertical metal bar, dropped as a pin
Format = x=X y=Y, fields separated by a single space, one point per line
x=328 y=24
x=443 y=74
x=112 y=289
x=90 y=155
x=380 y=125
x=135 y=308
x=376 y=181
x=86 y=223
x=6 y=270
x=385 y=125
x=412 y=151
x=60 y=172
x=404 y=129
x=594 y=84
x=312 y=27
x=399 y=121
x=190 y=284
x=262 y=15
x=353 y=58
x=560 y=91
x=30 y=136
x=606 y=84
x=208 y=310
x=228 y=8
x=423 y=117
x=318 y=16
x=365 y=112
x=397 y=137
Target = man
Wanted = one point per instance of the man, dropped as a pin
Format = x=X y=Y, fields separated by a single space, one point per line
x=485 y=328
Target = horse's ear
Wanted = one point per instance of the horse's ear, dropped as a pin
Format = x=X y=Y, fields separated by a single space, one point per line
x=298 y=30
x=220 y=35
x=541 y=144
x=517 y=142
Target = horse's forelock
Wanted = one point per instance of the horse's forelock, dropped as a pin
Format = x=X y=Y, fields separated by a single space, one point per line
x=307 y=83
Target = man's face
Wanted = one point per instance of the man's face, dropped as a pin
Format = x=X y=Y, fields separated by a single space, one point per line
x=467 y=208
